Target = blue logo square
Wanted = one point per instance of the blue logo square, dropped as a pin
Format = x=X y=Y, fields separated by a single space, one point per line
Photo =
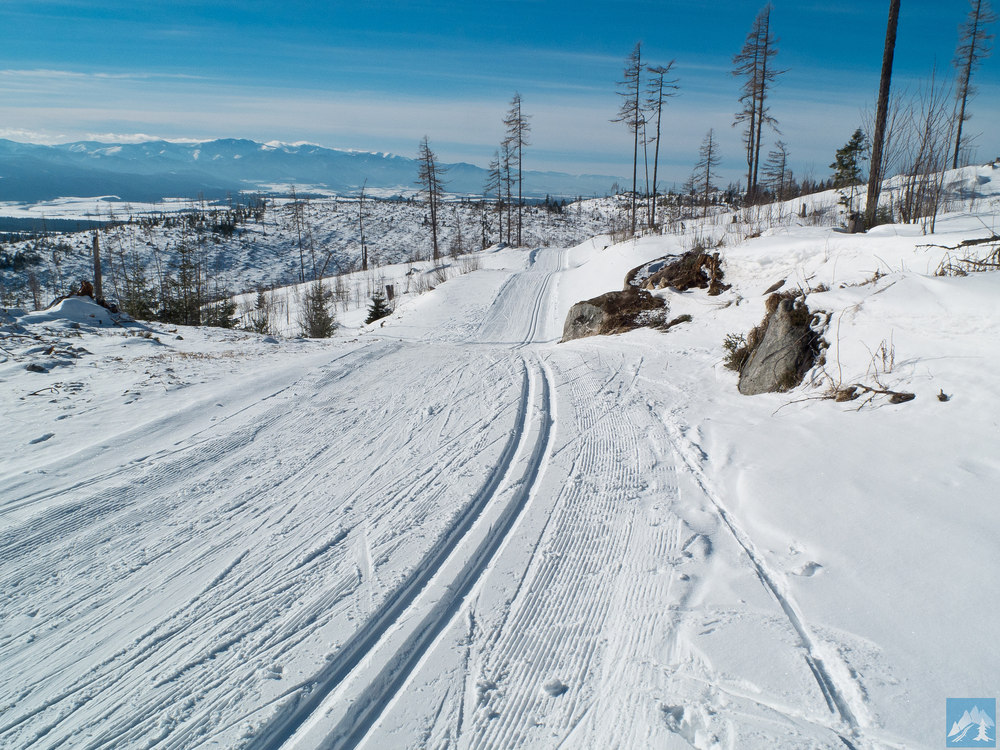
x=971 y=722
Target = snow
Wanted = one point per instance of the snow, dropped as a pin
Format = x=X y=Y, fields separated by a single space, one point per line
x=451 y=530
x=267 y=253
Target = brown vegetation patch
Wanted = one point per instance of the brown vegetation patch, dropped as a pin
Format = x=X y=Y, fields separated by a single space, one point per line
x=695 y=269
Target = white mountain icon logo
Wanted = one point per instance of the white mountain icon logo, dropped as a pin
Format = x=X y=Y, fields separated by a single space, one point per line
x=975 y=718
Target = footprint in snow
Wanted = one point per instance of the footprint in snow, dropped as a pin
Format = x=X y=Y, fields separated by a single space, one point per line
x=555 y=687
x=809 y=569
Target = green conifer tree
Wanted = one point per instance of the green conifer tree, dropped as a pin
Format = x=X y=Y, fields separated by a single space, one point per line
x=378 y=308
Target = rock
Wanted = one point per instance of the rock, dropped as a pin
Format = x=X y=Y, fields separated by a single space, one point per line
x=695 y=269
x=782 y=349
x=614 y=312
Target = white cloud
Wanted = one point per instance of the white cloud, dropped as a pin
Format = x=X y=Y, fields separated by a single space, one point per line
x=571 y=130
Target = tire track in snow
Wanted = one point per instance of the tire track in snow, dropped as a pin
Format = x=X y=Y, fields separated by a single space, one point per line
x=315 y=691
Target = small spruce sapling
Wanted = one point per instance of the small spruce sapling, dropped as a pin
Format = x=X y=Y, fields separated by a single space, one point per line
x=847 y=168
x=378 y=309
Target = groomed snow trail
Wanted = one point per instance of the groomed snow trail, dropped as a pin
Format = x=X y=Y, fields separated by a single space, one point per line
x=455 y=535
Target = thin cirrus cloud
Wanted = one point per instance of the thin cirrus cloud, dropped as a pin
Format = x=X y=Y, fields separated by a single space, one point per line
x=380 y=75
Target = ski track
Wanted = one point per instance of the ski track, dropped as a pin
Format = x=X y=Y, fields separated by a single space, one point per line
x=256 y=607
x=532 y=446
x=564 y=623
x=844 y=696
x=299 y=609
x=530 y=442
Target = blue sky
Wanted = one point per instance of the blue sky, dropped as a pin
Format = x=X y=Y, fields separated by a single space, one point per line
x=378 y=75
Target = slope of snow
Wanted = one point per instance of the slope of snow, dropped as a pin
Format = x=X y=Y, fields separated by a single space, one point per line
x=276 y=251
x=449 y=530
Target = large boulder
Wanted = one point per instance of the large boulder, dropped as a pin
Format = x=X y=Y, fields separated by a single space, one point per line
x=614 y=312
x=781 y=349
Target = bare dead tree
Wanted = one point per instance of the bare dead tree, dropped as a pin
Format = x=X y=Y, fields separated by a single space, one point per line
x=708 y=160
x=755 y=66
x=429 y=177
x=507 y=176
x=630 y=112
x=777 y=175
x=895 y=134
x=296 y=209
x=876 y=172
x=518 y=129
x=494 y=186
x=931 y=133
x=361 y=226
x=659 y=90
x=973 y=47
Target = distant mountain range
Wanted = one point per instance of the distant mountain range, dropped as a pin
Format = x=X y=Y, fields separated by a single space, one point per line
x=153 y=170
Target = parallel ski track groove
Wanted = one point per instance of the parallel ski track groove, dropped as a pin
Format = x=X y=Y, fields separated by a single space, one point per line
x=555 y=624
x=167 y=640
x=286 y=723
x=367 y=708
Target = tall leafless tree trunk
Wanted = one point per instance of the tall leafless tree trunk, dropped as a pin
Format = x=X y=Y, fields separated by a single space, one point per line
x=631 y=114
x=876 y=172
x=518 y=128
x=296 y=207
x=361 y=227
x=753 y=63
x=429 y=174
x=660 y=89
x=98 y=288
x=507 y=172
x=494 y=184
x=974 y=45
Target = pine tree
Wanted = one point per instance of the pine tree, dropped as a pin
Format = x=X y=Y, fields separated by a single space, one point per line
x=220 y=313
x=777 y=175
x=260 y=317
x=315 y=319
x=378 y=309
x=847 y=172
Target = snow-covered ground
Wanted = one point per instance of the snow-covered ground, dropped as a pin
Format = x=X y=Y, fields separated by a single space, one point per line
x=283 y=246
x=452 y=531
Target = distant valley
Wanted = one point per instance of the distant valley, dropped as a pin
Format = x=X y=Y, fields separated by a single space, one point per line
x=155 y=170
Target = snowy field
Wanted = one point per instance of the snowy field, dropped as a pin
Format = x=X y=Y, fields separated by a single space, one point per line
x=278 y=248
x=452 y=531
